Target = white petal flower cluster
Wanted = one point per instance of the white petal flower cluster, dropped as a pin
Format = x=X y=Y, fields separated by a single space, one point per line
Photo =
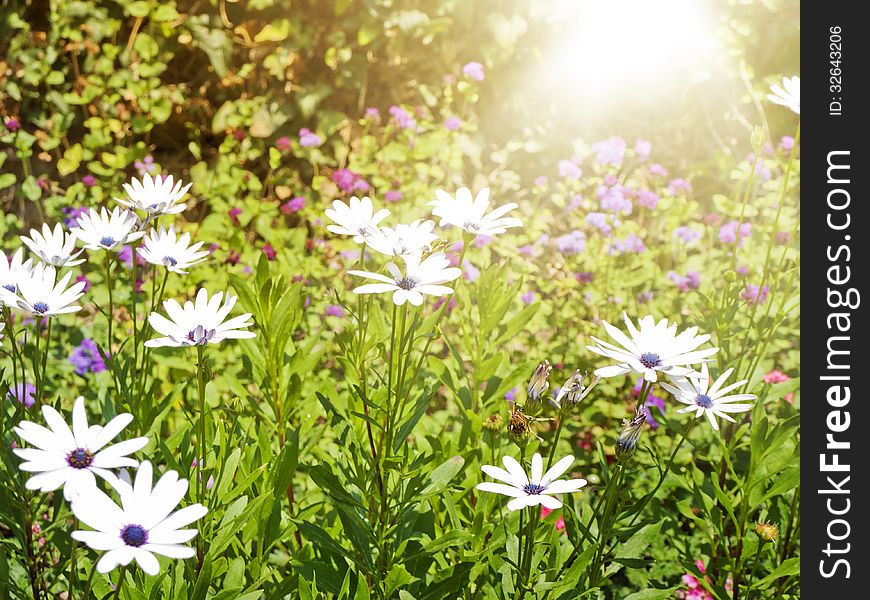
x=145 y=524
x=652 y=348
x=423 y=269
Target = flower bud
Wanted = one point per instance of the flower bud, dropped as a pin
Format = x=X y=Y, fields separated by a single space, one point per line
x=539 y=383
x=757 y=138
x=519 y=427
x=626 y=443
x=574 y=390
x=767 y=531
x=493 y=423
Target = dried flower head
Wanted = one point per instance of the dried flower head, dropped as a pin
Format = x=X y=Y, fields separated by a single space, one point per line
x=626 y=443
x=574 y=390
x=539 y=383
x=493 y=423
x=767 y=531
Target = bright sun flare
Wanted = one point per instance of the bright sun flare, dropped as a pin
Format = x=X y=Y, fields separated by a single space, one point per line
x=612 y=47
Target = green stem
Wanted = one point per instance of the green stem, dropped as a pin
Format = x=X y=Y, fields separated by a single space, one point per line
x=683 y=436
x=121 y=581
x=200 y=383
x=90 y=578
x=72 y=563
x=555 y=441
x=754 y=568
x=41 y=392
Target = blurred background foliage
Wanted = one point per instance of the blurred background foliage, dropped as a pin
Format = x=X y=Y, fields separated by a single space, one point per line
x=98 y=85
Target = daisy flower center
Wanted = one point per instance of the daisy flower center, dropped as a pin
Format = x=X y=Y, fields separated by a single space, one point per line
x=40 y=308
x=704 y=401
x=533 y=489
x=134 y=535
x=200 y=336
x=169 y=261
x=107 y=241
x=469 y=226
x=11 y=287
x=650 y=360
x=79 y=458
x=406 y=283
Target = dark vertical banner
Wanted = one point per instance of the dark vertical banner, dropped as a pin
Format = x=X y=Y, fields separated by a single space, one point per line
x=835 y=449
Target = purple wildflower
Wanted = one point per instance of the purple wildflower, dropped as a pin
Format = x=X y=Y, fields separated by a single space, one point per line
x=25 y=393
x=393 y=195
x=87 y=281
x=648 y=199
x=89 y=181
x=753 y=295
x=613 y=199
x=12 y=124
x=283 y=143
x=334 y=310
x=403 y=117
x=729 y=231
x=308 y=139
x=293 y=205
x=786 y=143
x=71 y=215
x=687 y=234
x=631 y=244
x=569 y=170
x=452 y=123
x=86 y=358
x=571 y=243
x=599 y=220
x=658 y=170
x=541 y=181
x=474 y=70
x=610 y=151
x=679 y=185
x=529 y=297
x=146 y=165
x=372 y=113
x=643 y=149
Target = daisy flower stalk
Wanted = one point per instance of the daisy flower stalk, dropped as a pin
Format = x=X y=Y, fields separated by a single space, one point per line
x=536 y=488
x=199 y=323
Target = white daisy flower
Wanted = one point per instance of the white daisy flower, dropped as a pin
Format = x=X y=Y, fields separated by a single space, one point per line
x=107 y=231
x=164 y=249
x=356 y=218
x=71 y=458
x=156 y=195
x=788 y=95
x=200 y=322
x=468 y=213
x=535 y=489
x=12 y=270
x=655 y=348
x=55 y=247
x=420 y=277
x=142 y=526
x=40 y=294
x=703 y=398
x=412 y=238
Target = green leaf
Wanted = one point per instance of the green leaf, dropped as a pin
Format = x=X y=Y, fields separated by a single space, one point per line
x=396 y=578
x=652 y=594
x=634 y=546
x=7 y=179
x=203 y=581
x=789 y=567
x=274 y=32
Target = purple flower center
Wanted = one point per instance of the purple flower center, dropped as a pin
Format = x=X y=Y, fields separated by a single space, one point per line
x=169 y=261
x=79 y=458
x=107 y=241
x=40 y=308
x=533 y=489
x=406 y=283
x=200 y=336
x=704 y=401
x=134 y=535
x=650 y=360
